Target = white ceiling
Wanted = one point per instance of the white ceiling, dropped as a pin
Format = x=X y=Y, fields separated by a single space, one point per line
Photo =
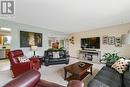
x=72 y=15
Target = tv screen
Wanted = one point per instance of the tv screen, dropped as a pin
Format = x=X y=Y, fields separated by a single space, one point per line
x=93 y=42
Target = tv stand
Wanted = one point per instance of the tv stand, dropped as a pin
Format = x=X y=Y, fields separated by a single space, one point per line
x=89 y=55
x=91 y=50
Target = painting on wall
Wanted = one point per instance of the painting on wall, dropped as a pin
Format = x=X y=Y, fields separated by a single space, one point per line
x=28 y=39
x=55 y=42
x=105 y=40
x=111 y=40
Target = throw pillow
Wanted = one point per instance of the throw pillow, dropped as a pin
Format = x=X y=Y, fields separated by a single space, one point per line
x=121 y=65
x=23 y=59
x=56 y=55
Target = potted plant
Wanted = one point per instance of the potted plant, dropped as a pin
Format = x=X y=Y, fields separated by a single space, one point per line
x=110 y=58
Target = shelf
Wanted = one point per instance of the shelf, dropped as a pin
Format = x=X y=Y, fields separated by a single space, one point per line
x=76 y=77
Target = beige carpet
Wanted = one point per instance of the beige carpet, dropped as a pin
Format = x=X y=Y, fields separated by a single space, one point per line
x=53 y=73
x=90 y=77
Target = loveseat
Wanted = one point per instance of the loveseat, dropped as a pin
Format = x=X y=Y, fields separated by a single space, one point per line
x=50 y=59
x=109 y=77
x=31 y=78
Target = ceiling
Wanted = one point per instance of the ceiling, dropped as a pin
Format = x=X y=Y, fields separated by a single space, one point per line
x=71 y=15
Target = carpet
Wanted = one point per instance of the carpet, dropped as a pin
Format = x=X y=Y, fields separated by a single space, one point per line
x=53 y=73
x=89 y=77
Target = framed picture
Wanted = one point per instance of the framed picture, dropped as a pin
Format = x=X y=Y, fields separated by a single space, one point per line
x=111 y=40
x=118 y=42
x=58 y=42
x=28 y=39
x=105 y=40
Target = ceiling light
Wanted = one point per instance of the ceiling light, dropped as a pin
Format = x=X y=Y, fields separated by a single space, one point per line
x=5 y=29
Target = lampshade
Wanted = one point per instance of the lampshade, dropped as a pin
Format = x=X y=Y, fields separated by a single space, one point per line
x=34 y=48
x=125 y=38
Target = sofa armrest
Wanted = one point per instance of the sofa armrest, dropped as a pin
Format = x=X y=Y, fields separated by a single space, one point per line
x=129 y=66
x=75 y=83
x=27 y=79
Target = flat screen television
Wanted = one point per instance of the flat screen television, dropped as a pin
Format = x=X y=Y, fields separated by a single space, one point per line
x=92 y=42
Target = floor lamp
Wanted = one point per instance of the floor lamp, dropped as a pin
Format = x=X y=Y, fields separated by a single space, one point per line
x=34 y=48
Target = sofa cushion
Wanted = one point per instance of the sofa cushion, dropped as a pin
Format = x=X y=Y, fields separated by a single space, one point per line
x=97 y=83
x=108 y=77
x=120 y=65
x=23 y=59
x=62 y=53
x=50 y=54
x=126 y=79
x=56 y=55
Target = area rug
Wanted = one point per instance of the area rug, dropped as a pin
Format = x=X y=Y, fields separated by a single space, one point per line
x=89 y=77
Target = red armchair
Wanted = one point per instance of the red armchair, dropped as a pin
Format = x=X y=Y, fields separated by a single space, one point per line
x=19 y=68
x=31 y=78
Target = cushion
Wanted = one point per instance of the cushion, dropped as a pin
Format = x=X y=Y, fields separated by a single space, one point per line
x=61 y=54
x=121 y=65
x=56 y=55
x=23 y=59
x=106 y=77
x=50 y=54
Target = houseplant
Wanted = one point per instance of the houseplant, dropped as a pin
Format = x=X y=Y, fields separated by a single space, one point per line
x=110 y=58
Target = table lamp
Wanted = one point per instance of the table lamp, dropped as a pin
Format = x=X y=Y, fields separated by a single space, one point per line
x=34 y=48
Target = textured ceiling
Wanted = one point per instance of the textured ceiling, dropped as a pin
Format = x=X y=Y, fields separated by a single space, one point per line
x=71 y=15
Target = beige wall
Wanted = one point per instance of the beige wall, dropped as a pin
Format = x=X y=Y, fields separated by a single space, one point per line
x=116 y=31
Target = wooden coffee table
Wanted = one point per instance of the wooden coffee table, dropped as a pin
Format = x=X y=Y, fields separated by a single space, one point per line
x=77 y=72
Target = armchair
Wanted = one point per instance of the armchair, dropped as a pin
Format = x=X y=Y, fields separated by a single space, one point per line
x=17 y=67
x=31 y=78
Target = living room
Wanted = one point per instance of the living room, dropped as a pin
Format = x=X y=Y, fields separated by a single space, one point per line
x=85 y=31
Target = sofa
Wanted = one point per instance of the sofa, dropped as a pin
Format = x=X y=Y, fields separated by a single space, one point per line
x=31 y=78
x=49 y=59
x=109 y=77
x=18 y=67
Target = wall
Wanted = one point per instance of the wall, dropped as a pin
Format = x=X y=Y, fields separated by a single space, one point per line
x=116 y=31
x=15 y=33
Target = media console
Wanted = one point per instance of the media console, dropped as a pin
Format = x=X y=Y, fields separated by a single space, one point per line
x=89 y=55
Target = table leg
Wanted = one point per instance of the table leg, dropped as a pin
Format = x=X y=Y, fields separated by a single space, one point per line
x=65 y=74
x=91 y=71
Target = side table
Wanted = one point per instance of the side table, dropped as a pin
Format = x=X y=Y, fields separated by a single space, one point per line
x=40 y=58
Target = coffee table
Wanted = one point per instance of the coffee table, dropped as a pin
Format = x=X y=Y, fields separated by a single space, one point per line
x=77 y=72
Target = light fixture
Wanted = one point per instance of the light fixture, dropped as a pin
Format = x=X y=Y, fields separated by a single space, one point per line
x=126 y=38
x=34 y=48
x=5 y=29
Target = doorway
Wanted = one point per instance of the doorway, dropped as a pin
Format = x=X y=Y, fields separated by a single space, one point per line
x=5 y=42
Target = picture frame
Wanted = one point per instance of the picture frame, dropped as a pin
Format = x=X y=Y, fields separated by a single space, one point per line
x=28 y=39
x=105 y=40
x=118 y=42
x=111 y=40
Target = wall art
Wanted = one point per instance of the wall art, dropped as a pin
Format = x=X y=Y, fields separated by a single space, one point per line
x=111 y=40
x=118 y=42
x=105 y=40
x=28 y=39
